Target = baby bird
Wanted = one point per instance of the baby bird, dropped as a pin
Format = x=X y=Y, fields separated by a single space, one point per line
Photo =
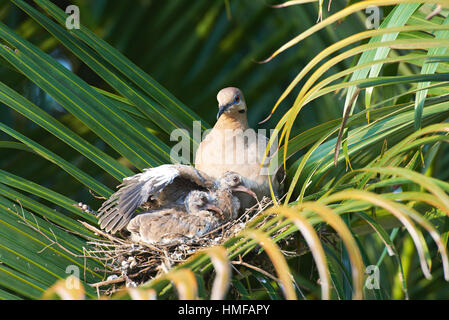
x=166 y=226
x=203 y=212
x=230 y=188
x=164 y=186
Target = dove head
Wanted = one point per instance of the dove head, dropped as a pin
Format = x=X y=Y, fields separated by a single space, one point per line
x=198 y=200
x=231 y=103
x=234 y=182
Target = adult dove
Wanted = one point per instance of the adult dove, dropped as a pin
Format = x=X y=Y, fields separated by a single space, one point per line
x=232 y=145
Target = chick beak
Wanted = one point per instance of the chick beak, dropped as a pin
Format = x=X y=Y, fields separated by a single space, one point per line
x=215 y=209
x=222 y=109
x=246 y=190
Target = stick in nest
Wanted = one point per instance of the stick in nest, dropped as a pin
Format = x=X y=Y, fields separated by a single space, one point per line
x=135 y=263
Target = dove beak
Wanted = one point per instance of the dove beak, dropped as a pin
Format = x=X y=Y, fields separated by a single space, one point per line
x=223 y=109
x=246 y=190
x=213 y=208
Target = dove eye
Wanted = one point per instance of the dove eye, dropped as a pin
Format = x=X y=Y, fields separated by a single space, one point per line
x=235 y=179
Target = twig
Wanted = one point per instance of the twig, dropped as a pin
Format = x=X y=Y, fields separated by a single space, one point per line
x=343 y=123
x=435 y=12
x=243 y=263
x=97 y=196
x=105 y=283
x=97 y=231
x=37 y=229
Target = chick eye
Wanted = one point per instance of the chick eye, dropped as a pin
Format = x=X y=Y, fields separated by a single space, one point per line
x=236 y=99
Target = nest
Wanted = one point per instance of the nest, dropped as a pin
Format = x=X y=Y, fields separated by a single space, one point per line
x=132 y=263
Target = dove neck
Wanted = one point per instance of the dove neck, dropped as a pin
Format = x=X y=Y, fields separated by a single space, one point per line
x=227 y=121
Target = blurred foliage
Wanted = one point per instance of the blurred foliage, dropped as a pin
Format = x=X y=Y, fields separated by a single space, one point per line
x=113 y=119
x=208 y=48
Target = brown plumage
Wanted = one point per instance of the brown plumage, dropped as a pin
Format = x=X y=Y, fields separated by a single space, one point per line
x=163 y=186
x=203 y=212
x=166 y=189
x=167 y=225
x=232 y=146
